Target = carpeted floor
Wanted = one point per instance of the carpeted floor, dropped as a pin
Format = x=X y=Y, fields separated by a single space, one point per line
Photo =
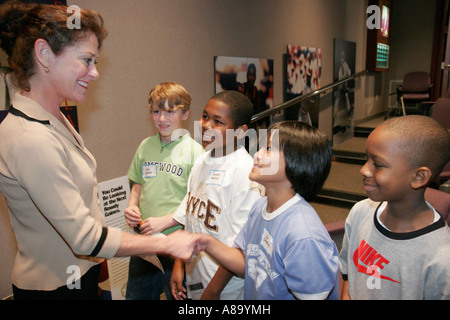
x=355 y=145
x=330 y=213
x=345 y=177
x=372 y=123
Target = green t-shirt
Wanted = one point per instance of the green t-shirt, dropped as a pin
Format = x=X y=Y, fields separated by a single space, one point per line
x=163 y=174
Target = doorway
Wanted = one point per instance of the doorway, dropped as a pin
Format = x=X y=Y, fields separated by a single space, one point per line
x=440 y=62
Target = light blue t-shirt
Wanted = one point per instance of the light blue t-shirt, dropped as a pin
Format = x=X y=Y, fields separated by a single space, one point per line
x=288 y=252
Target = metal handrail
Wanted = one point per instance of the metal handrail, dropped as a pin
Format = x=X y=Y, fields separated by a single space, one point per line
x=307 y=96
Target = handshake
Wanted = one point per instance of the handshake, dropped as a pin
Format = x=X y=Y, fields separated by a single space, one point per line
x=182 y=244
x=185 y=245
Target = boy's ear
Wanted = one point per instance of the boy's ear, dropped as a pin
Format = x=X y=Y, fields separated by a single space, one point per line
x=185 y=115
x=422 y=178
x=241 y=131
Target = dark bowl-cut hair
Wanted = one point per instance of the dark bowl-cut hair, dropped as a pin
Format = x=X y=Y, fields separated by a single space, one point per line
x=240 y=107
x=307 y=153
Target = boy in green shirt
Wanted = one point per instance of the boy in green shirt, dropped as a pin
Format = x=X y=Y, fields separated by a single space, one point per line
x=159 y=172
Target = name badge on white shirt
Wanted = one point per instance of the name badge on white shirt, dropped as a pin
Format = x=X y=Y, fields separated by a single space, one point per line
x=149 y=170
x=195 y=288
x=216 y=177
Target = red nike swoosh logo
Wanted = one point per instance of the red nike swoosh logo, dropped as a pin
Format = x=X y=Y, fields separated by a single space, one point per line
x=373 y=269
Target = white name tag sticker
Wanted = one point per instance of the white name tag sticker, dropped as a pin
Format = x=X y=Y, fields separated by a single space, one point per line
x=216 y=177
x=267 y=241
x=149 y=170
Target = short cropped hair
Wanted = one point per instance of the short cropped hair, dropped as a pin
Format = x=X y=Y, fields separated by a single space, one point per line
x=307 y=153
x=240 y=107
x=423 y=141
x=169 y=95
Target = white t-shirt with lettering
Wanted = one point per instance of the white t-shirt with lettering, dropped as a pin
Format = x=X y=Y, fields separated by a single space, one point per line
x=218 y=200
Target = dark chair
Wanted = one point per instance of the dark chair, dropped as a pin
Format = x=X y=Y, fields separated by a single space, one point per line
x=445 y=174
x=416 y=89
x=441 y=112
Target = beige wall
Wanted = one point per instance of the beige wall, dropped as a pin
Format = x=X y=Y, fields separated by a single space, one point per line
x=176 y=40
x=151 y=41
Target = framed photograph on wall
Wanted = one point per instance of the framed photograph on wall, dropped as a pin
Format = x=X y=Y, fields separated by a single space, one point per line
x=251 y=76
x=303 y=74
x=344 y=94
x=303 y=70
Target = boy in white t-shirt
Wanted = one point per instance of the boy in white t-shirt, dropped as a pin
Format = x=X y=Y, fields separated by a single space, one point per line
x=284 y=251
x=219 y=197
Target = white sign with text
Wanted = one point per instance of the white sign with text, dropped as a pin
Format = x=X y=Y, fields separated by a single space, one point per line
x=114 y=196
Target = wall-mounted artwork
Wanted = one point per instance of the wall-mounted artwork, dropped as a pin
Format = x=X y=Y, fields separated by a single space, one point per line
x=71 y=114
x=303 y=74
x=304 y=70
x=344 y=94
x=251 y=76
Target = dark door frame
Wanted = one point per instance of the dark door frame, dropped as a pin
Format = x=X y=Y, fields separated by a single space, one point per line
x=440 y=58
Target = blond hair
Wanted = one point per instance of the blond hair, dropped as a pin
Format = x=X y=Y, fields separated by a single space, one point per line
x=169 y=95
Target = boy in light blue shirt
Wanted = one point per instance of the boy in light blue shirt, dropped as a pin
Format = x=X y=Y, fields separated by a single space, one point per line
x=284 y=251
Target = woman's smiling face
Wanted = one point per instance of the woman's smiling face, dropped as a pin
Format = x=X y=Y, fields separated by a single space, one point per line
x=73 y=69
